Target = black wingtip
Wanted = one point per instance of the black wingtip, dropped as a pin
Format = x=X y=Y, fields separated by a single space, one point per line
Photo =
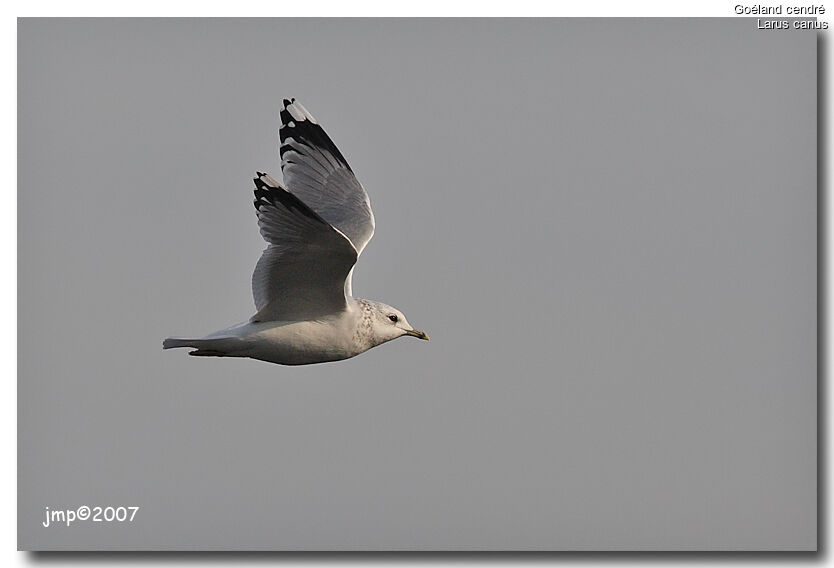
x=285 y=115
x=262 y=192
x=267 y=194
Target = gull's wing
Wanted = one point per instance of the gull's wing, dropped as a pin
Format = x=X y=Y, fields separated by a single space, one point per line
x=302 y=273
x=316 y=172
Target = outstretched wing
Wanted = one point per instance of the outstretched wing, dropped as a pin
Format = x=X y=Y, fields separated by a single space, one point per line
x=316 y=172
x=302 y=273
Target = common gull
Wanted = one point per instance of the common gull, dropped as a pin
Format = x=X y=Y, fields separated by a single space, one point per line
x=316 y=226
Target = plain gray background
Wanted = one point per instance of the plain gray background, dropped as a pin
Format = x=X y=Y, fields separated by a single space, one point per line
x=608 y=228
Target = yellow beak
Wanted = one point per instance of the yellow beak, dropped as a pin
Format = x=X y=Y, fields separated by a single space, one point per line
x=417 y=333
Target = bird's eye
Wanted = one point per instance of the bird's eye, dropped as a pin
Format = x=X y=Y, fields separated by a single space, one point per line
x=393 y=318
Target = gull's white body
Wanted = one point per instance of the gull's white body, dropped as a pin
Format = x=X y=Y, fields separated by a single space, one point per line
x=330 y=338
x=315 y=228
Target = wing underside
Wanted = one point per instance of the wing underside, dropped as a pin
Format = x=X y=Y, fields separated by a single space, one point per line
x=302 y=273
x=315 y=171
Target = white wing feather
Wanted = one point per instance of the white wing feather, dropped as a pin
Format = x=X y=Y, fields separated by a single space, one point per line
x=302 y=273
x=316 y=172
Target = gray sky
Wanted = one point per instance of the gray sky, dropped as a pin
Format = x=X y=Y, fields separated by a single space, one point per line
x=608 y=228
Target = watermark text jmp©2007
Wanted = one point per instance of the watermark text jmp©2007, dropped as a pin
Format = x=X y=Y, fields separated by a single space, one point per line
x=95 y=514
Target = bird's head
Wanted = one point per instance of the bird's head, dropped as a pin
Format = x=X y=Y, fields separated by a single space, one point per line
x=389 y=323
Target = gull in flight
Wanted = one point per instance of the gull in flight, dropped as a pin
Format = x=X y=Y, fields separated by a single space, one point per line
x=316 y=226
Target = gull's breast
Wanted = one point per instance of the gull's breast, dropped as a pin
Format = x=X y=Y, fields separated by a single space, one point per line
x=303 y=342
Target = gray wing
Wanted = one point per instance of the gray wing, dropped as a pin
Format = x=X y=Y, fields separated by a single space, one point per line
x=302 y=273
x=316 y=172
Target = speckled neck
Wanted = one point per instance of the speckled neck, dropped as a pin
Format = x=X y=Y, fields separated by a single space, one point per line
x=363 y=335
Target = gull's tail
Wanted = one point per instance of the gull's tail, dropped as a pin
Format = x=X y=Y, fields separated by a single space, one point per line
x=219 y=347
x=174 y=342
